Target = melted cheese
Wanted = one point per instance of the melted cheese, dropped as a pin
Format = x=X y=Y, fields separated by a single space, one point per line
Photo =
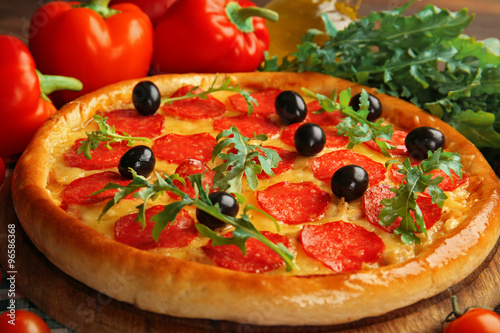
x=395 y=252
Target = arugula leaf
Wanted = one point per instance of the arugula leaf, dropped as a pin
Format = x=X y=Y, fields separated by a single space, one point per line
x=106 y=134
x=424 y=59
x=225 y=86
x=417 y=179
x=355 y=126
x=229 y=174
x=140 y=188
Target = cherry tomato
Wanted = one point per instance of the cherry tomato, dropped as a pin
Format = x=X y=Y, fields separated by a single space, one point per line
x=2 y=171
x=476 y=320
x=25 y=322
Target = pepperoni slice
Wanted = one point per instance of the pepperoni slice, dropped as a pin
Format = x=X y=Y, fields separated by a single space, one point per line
x=259 y=258
x=323 y=119
x=136 y=124
x=294 y=203
x=398 y=140
x=79 y=191
x=175 y=148
x=177 y=234
x=265 y=100
x=248 y=126
x=324 y=166
x=371 y=204
x=447 y=184
x=332 y=139
x=341 y=246
x=195 y=107
x=102 y=157
x=192 y=167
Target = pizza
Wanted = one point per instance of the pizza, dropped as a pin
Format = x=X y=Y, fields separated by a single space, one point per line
x=224 y=202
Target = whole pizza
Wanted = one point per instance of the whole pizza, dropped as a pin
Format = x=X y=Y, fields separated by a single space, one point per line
x=262 y=198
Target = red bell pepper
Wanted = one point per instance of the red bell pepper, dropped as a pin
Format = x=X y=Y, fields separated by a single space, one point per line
x=92 y=42
x=208 y=36
x=155 y=9
x=23 y=101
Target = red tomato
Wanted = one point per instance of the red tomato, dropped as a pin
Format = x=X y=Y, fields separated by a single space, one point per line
x=25 y=322
x=154 y=9
x=2 y=171
x=477 y=320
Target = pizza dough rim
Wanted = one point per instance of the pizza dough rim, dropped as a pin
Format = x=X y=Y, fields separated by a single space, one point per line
x=193 y=290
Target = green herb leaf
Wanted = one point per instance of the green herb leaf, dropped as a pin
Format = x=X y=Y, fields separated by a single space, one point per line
x=106 y=134
x=225 y=86
x=229 y=174
x=355 y=126
x=140 y=188
x=417 y=179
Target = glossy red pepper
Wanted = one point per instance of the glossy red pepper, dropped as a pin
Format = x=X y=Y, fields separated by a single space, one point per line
x=92 y=42
x=208 y=36
x=155 y=9
x=23 y=101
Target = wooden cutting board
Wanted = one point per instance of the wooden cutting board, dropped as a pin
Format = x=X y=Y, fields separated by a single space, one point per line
x=86 y=310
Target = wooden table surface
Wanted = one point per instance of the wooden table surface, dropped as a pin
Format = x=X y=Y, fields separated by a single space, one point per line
x=15 y=14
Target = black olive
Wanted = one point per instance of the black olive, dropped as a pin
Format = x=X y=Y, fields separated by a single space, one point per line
x=309 y=139
x=139 y=158
x=349 y=182
x=146 y=98
x=374 y=109
x=423 y=139
x=290 y=107
x=228 y=205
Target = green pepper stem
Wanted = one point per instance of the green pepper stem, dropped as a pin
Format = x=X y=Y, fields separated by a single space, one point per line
x=242 y=16
x=51 y=83
x=101 y=7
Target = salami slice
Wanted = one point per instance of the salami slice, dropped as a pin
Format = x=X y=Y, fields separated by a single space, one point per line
x=294 y=203
x=79 y=191
x=341 y=246
x=323 y=119
x=248 y=126
x=177 y=234
x=447 y=184
x=102 y=157
x=371 y=205
x=191 y=167
x=398 y=140
x=324 y=166
x=259 y=258
x=175 y=148
x=332 y=139
x=133 y=123
x=265 y=100
x=195 y=107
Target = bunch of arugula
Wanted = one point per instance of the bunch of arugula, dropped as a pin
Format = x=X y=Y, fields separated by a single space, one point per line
x=423 y=58
x=107 y=134
x=355 y=125
x=417 y=180
x=140 y=188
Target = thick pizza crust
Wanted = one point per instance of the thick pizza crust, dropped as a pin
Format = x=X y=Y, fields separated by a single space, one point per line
x=193 y=290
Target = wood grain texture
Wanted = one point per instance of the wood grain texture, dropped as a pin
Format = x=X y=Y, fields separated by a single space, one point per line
x=86 y=310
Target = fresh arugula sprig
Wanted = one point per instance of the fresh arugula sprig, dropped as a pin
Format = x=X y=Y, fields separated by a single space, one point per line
x=423 y=58
x=417 y=179
x=140 y=188
x=355 y=126
x=229 y=174
x=225 y=86
x=106 y=134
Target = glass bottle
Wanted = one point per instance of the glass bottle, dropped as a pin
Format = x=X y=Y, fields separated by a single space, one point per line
x=298 y=16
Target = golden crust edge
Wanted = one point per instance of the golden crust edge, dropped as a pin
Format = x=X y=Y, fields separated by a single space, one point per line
x=201 y=291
